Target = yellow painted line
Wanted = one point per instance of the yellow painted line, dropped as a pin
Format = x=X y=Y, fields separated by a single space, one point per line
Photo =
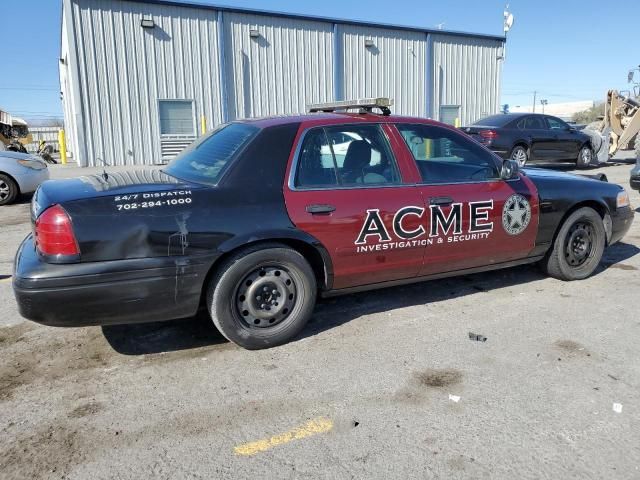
x=8 y=279
x=309 y=429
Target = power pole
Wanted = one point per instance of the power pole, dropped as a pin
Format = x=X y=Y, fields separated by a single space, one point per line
x=535 y=92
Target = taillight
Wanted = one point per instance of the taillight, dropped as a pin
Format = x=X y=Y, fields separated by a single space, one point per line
x=488 y=134
x=54 y=233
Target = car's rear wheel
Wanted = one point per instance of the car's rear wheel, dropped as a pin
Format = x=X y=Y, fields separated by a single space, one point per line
x=585 y=157
x=8 y=190
x=578 y=247
x=520 y=154
x=262 y=296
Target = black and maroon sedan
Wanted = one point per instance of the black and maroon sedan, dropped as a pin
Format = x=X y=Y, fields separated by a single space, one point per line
x=260 y=216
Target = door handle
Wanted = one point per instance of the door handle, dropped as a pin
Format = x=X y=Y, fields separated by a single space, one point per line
x=440 y=201
x=320 y=209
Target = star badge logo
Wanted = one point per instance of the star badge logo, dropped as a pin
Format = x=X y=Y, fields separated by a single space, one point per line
x=516 y=214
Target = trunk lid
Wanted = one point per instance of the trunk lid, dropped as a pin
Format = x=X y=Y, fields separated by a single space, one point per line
x=473 y=131
x=54 y=192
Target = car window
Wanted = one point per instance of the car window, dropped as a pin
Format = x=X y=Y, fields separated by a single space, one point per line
x=556 y=124
x=535 y=122
x=500 y=120
x=205 y=160
x=345 y=156
x=445 y=156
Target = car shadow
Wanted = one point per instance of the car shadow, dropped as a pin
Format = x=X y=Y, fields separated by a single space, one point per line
x=199 y=331
x=334 y=312
x=615 y=255
x=23 y=198
x=160 y=337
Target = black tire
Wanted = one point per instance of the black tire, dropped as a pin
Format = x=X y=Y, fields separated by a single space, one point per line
x=236 y=294
x=585 y=157
x=8 y=189
x=578 y=246
x=520 y=154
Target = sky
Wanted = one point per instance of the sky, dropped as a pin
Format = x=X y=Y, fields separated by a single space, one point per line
x=566 y=50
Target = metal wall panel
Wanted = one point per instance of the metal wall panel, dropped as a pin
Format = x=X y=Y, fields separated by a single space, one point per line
x=117 y=71
x=287 y=67
x=125 y=69
x=395 y=66
x=466 y=72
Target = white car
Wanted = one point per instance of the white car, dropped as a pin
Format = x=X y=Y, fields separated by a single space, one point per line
x=20 y=173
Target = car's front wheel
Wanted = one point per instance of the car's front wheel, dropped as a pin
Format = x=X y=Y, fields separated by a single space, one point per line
x=262 y=296
x=520 y=154
x=578 y=247
x=8 y=190
x=585 y=157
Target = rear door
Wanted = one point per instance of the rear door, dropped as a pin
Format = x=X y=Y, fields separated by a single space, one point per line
x=348 y=190
x=473 y=217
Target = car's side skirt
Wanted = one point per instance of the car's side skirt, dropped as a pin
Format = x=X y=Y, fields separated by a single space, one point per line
x=407 y=281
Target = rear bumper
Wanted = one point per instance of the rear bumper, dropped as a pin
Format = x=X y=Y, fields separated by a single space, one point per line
x=106 y=293
x=621 y=222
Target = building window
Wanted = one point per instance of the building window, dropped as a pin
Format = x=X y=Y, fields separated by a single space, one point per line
x=176 y=117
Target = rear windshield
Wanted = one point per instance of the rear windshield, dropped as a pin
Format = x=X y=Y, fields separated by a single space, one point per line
x=494 y=121
x=205 y=160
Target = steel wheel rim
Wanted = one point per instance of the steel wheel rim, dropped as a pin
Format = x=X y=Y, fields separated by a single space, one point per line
x=586 y=156
x=579 y=243
x=266 y=296
x=520 y=156
x=5 y=191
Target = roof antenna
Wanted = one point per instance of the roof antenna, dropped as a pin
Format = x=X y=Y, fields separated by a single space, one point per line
x=104 y=175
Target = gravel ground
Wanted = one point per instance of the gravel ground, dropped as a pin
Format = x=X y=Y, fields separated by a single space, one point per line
x=385 y=384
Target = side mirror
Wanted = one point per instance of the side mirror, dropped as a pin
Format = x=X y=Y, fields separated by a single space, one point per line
x=510 y=169
x=572 y=129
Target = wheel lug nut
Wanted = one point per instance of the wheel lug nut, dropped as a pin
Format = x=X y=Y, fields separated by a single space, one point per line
x=263 y=305
x=265 y=289
x=258 y=298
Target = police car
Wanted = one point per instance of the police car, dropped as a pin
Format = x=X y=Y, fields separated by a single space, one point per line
x=261 y=216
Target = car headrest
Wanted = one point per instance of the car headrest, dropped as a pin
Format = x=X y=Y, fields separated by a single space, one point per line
x=358 y=156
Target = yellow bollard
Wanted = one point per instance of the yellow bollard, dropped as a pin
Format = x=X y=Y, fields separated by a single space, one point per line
x=62 y=145
x=203 y=124
x=428 y=148
x=456 y=122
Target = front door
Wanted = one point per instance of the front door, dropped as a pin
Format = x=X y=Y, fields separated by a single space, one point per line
x=472 y=217
x=567 y=144
x=540 y=138
x=346 y=189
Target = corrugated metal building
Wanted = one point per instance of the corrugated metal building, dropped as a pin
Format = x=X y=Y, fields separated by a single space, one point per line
x=139 y=78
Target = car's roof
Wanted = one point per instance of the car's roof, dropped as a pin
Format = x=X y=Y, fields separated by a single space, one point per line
x=511 y=116
x=323 y=118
